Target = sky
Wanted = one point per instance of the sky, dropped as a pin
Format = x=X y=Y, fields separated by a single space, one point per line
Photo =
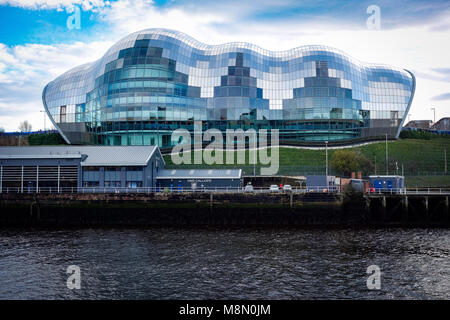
x=37 y=44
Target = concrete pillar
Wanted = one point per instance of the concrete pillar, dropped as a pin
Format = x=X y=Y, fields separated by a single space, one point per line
x=59 y=176
x=101 y=177
x=291 y=196
x=446 y=207
x=37 y=179
x=405 y=208
x=21 y=182
x=123 y=177
x=211 y=200
x=367 y=203
x=367 y=213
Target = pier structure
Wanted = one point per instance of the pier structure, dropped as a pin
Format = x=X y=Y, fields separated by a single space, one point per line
x=224 y=208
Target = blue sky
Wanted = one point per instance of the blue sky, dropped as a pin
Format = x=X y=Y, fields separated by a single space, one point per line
x=36 y=45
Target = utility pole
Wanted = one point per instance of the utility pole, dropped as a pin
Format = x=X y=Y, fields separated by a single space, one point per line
x=387 y=157
x=375 y=165
x=254 y=165
x=45 y=115
x=326 y=159
x=445 y=161
x=254 y=156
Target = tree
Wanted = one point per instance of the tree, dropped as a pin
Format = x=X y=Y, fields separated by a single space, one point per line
x=348 y=161
x=38 y=139
x=418 y=134
x=25 y=126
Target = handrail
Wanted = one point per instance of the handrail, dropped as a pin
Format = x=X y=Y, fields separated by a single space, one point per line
x=406 y=191
x=174 y=189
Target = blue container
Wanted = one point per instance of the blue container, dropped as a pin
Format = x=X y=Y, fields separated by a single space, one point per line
x=387 y=183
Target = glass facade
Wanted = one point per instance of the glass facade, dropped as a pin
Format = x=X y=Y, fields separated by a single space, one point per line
x=155 y=81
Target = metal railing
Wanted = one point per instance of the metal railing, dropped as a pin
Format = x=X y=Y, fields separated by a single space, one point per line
x=175 y=189
x=148 y=190
x=409 y=191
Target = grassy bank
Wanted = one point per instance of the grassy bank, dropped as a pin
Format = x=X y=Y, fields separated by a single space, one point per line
x=427 y=181
x=418 y=157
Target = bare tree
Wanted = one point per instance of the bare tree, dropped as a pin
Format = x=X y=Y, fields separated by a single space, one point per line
x=25 y=126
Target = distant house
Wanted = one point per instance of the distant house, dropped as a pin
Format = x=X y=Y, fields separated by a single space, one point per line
x=442 y=125
x=419 y=124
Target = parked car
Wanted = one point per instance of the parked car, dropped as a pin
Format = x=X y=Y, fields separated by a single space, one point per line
x=287 y=188
x=248 y=188
x=274 y=188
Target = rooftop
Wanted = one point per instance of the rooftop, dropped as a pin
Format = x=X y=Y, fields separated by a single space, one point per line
x=90 y=155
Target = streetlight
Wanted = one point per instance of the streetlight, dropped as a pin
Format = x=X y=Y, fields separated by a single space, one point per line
x=45 y=115
x=434 y=115
x=254 y=154
x=387 y=157
x=326 y=159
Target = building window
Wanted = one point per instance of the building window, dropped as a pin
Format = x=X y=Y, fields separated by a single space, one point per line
x=134 y=177
x=112 y=184
x=134 y=168
x=62 y=114
x=112 y=169
x=91 y=184
x=134 y=184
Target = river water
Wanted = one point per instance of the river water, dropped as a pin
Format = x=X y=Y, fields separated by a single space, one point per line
x=219 y=263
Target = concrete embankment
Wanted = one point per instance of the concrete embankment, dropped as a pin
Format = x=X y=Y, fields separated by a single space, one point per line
x=65 y=210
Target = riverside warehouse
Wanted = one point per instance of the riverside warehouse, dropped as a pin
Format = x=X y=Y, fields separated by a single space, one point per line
x=96 y=168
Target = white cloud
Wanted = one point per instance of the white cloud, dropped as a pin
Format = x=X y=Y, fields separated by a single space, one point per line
x=126 y=16
x=25 y=70
x=55 y=4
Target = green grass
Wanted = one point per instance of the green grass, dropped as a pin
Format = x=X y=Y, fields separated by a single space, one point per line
x=427 y=181
x=418 y=157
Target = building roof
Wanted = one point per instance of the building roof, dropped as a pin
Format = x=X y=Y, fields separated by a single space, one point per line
x=421 y=124
x=90 y=155
x=441 y=124
x=200 y=174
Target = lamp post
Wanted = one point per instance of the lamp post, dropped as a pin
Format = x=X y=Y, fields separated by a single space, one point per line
x=375 y=165
x=387 y=157
x=254 y=155
x=45 y=115
x=445 y=161
x=434 y=115
x=326 y=159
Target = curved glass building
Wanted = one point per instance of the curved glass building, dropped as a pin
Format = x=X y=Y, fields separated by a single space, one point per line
x=155 y=81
